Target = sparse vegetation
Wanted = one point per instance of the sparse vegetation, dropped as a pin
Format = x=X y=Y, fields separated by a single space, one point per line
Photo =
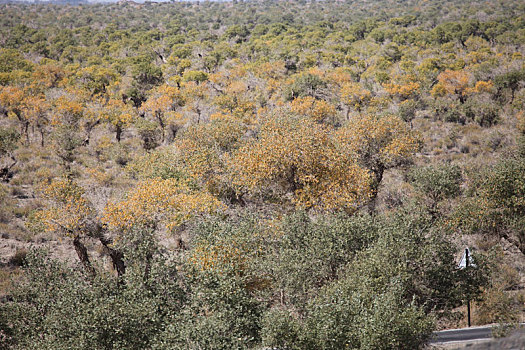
x=259 y=174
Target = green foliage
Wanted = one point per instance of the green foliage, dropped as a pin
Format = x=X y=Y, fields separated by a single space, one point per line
x=196 y=76
x=437 y=182
x=66 y=142
x=450 y=111
x=407 y=110
x=345 y=316
x=220 y=314
x=504 y=185
x=305 y=84
x=281 y=330
x=100 y=314
x=181 y=50
x=430 y=274
x=510 y=80
x=383 y=298
x=145 y=73
x=495 y=305
x=96 y=79
x=6 y=333
x=310 y=254
x=157 y=164
x=495 y=204
x=482 y=111
x=11 y=59
x=8 y=141
x=19 y=258
x=237 y=32
x=148 y=132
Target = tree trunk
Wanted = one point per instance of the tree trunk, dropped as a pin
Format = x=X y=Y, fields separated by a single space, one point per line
x=42 y=142
x=89 y=129
x=118 y=132
x=378 y=177
x=198 y=115
x=26 y=132
x=117 y=258
x=83 y=256
x=162 y=126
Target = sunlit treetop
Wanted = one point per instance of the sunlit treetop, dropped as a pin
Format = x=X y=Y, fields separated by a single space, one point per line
x=159 y=203
x=203 y=149
x=67 y=210
x=379 y=142
x=318 y=110
x=297 y=156
x=355 y=96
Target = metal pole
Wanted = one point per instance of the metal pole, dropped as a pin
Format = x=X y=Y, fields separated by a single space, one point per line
x=468 y=298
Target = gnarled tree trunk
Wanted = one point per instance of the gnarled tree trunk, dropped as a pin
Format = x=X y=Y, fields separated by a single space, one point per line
x=81 y=250
x=117 y=258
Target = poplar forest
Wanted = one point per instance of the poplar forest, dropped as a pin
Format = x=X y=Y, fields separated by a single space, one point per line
x=259 y=174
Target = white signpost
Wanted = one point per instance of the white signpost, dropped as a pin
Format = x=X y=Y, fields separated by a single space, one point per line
x=463 y=263
x=466 y=261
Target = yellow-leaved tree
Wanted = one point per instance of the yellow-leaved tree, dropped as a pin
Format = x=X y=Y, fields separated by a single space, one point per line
x=236 y=95
x=319 y=110
x=162 y=105
x=354 y=96
x=37 y=113
x=203 y=150
x=12 y=104
x=452 y=83
x=299 y=159
x=379 y=143
x=67 y=211
x=67 y=120
x=117 y=115
x=157 y=203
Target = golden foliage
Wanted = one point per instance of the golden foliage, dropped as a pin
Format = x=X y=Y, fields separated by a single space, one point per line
x=46 y=76
x=300 y=156
x=36 y=109
x=451 y=83
x=68 y=109
x=11 y=98
x=482 y=86
x=201 y=147
x=67 y=209
x=403 y=91
x=379 y=142
x=117 y=113
x=168 y=202
x=274 y=70
x=339 y=76
x=165 y=98
x=100 y=176
x=318 y=110
x=216 y=257
x=235 y=94
x=236 y=104
x=354 y=95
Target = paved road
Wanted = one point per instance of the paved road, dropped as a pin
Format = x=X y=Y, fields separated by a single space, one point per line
x=463 y=334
